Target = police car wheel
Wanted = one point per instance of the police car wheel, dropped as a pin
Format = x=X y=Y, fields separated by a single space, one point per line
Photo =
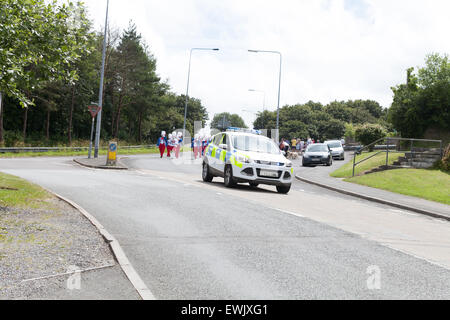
x=283 y=189
x=206 y=175
x=228 y=177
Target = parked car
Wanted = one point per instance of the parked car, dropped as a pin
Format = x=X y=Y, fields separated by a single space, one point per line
x=337 y=150
x=318 y=153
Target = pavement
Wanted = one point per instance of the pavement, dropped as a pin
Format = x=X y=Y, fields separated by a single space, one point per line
x=99 y=163
x=193 y=240
x=320 y=176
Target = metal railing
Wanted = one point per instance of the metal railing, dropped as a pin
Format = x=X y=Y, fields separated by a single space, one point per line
x=396 y=145
x=58 y=149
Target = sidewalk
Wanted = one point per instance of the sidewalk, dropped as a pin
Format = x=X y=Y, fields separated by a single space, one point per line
x=99 y=163
x=320 y=176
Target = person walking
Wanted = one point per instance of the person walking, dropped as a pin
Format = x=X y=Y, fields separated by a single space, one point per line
x=162 y=143
x=170 y=144
x=179 y=143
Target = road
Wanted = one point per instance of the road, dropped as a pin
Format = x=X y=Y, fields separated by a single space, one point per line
x=193 y=240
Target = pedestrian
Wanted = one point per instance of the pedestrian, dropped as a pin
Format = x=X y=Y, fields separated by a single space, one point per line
x=179 y=143
x=170 y=144
x=162 y=143
x=204 y=144
x=196 y=145
x=294 y=143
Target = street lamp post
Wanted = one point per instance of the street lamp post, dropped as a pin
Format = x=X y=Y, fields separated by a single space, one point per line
x=100 y=94
x=187 y=86
x=279 y=80
x=264 y=94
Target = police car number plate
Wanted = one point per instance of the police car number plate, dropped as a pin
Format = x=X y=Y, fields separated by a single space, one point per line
x=268 y=173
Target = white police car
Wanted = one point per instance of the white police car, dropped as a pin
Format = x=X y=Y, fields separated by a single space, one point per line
x=245 y=157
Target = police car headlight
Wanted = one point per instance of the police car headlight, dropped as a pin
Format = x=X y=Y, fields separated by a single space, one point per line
x=243 y=159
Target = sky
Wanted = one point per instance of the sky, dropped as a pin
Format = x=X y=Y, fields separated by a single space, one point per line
x=331 y=49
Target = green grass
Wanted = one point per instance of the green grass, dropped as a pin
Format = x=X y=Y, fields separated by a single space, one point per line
x=75 y=153
x=16 y=192
x=121 y=152
x=427 y=184
x=346 y=170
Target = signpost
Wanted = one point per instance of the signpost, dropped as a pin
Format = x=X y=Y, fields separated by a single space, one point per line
x=94 y=110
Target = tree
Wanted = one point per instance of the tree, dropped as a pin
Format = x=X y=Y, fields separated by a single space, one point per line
x=37 y=44
x=224 y=120
x=424 y=101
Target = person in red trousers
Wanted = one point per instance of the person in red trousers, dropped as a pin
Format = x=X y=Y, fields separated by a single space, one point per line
x=162 y=143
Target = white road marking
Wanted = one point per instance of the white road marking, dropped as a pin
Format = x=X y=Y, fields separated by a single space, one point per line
x=288 y=212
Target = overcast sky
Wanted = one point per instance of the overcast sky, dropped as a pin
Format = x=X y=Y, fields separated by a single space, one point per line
x=332 y=49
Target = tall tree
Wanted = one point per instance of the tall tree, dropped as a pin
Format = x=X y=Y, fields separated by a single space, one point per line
x=224 y=120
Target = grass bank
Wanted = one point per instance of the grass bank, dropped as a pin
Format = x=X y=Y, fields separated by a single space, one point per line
x=432 y=185
x=346 y=170
x=18 y=193
x=68 y=153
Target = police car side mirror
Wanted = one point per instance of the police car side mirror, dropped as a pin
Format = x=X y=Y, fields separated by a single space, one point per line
x=283 y=152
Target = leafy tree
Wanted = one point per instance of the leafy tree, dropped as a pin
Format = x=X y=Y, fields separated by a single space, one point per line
x=224 y=120
x=424 y=101
x=37 y=44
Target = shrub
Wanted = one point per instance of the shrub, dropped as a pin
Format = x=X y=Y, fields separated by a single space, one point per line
x=445 y=162
x=369 y=133
x=349 y=133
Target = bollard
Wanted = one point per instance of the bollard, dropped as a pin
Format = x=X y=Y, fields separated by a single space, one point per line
x=111 y=158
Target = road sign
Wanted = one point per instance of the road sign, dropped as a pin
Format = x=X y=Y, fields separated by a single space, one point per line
x=94 y=110
x=112 y=154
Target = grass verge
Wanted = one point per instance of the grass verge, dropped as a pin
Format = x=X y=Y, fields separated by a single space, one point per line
x=75 y=153
x=16 y=192
x=346 y=170
x=432 y=185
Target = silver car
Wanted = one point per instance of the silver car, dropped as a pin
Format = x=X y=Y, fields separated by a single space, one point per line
x=337 y=150
x=318 y=153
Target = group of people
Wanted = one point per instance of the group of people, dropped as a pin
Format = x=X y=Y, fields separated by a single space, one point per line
x=199 y=144
x=297 y=144
x=172 y=143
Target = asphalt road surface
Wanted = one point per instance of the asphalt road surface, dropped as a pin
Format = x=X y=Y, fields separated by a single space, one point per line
x=193 y=240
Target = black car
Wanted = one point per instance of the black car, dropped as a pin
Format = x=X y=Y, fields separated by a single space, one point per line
x=316 y=154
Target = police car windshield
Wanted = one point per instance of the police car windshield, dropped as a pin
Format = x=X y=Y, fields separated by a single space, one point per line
x=254 y=144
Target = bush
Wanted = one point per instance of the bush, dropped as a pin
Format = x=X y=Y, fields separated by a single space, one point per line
x=12 y=138
x=445 y=162
x=369 y=133
x=349 y=133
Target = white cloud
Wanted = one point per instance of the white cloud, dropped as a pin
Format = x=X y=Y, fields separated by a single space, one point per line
x=332 y=49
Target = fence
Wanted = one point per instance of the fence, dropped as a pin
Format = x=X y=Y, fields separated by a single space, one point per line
x=412 y=148
x=61 y=149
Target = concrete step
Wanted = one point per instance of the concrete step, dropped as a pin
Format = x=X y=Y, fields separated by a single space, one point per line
x=418 y=165
x=422 y=155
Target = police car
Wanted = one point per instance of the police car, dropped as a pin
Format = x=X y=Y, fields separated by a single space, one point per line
x=240 y=156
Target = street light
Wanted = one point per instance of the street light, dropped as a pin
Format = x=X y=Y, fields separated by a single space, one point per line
x=100 y=94
x=264 y=99
x=187 y=87
x=279 y=80
x=255 y=113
